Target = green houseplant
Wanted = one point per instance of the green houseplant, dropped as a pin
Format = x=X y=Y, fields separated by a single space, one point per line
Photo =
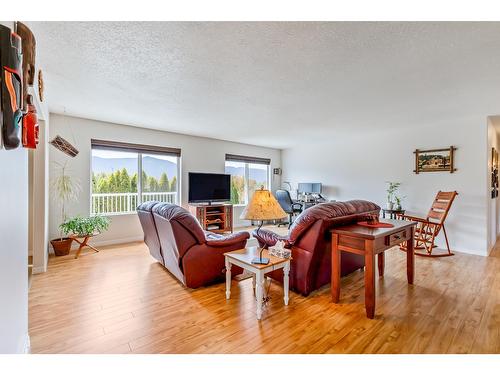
x=392 y=188
x=85 y=226
x=398 y=200
x=65 y=188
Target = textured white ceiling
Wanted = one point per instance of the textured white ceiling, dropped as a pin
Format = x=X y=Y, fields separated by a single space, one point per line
x=269 y=83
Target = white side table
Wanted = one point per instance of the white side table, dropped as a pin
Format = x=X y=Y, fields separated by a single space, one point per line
x=243 y=258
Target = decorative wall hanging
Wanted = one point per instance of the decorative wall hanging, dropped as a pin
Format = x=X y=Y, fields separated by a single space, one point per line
x=439 y=160
x=494 y=173
x=11 y=87
x=63 y=145
x=28 y=49
x=40 y=85
x=30 y=125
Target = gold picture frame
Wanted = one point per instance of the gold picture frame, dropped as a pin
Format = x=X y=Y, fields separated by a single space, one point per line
x=437 y=160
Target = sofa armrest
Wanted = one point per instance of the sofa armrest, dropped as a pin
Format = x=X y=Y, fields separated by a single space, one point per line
x=229 y=240
x=267 y=237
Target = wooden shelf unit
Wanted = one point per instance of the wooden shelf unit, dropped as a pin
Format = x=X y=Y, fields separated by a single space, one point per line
x=217 y=218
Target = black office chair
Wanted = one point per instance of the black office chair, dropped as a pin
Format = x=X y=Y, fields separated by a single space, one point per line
x=288 y=205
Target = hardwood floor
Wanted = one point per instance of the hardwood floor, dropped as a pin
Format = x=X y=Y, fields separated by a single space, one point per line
x=121 y=301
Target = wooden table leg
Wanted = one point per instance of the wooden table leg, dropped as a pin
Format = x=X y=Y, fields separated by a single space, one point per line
x=369 y=280
x=258 y=293
x=335 y=268
x=228 y=278
x=82 y=245
x=286 y=281
x=381 y=263
x=410 y=258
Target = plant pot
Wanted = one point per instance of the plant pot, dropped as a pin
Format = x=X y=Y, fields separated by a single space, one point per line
x=397 y=207
x=62 y=246
x=389 y=205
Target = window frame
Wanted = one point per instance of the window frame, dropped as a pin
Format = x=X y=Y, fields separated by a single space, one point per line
x=139 y=150
x=246 y=161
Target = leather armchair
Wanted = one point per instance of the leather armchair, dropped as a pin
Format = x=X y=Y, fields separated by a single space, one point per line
x=194 y=256
x=310 y=241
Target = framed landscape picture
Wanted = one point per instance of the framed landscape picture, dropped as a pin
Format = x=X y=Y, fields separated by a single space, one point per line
x=439 y=160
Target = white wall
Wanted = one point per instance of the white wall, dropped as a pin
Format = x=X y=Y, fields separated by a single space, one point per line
x=40 y=209
x=358 y=165
x=198 y=155
x=13 y=248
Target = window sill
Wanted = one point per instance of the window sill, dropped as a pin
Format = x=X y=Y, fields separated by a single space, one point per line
x=116 y=214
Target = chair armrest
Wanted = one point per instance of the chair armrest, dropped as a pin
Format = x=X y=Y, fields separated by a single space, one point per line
x=298 y=205
x=229 y=240
x=267 y=237
x=415 y=218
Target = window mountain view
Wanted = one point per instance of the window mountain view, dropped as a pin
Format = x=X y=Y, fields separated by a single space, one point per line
x=119 y=175
x=257 y=177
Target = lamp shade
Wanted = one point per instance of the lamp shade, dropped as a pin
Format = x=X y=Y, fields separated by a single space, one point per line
x=263 y=206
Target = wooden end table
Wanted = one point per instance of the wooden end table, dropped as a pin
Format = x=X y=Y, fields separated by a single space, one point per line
x=393 y=214
x=243 y=258
x=369 y=242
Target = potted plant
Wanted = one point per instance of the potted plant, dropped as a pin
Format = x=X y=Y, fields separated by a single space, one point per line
x=398 y=201
x=65 y=188
x=85 y=226
x=392 y=188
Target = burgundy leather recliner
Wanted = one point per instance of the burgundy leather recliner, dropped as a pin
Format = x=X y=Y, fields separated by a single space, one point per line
x=310 y=241
x=175 y=238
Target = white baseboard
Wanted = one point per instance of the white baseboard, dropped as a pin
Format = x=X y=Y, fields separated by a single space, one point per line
x=39 y=269
x=27 y=345
x=74 y=246
x=117 y=241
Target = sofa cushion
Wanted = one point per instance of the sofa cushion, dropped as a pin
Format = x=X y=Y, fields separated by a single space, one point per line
x=330 y=213
x=172 y=212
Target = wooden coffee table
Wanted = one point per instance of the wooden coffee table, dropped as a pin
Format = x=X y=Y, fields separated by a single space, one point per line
x=243 y=258
x=369 y=242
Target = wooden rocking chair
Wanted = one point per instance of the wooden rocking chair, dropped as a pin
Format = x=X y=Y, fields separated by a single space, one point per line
x=427 y=229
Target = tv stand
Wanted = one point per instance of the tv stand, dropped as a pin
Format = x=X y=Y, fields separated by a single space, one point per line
x=214 y=217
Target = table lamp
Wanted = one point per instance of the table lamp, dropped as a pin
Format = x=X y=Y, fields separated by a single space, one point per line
x=262 y=206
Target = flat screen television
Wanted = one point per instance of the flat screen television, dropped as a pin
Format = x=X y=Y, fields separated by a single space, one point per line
x=209 y=187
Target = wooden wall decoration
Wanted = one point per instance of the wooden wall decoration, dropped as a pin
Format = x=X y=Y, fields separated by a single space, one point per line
x=29 y=50
x=494 y=173
x=438 y=160
x=11 y=88
x=30 y=119
x=40 y=85
x=64 y=146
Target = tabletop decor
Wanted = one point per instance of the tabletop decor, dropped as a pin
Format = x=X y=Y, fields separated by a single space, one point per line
x=279 y=250
x=263 y=206
x=438 y=160
x=392 y=188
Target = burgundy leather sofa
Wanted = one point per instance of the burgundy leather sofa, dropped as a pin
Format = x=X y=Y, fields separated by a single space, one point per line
x=175 y=238
x=310 y=242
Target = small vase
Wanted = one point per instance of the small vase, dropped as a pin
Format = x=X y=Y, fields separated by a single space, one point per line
x=390 y=205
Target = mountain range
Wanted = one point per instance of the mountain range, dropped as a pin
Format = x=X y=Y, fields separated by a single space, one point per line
x=152 y=166
x=155 y=167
